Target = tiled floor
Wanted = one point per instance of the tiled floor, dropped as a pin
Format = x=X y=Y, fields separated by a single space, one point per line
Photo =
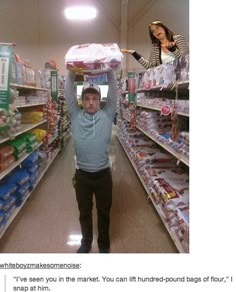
x=48 y=222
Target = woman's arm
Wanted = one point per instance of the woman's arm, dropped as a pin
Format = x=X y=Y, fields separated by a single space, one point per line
x=154 y=59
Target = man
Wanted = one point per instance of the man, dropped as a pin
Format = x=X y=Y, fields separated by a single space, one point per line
x=91 y=134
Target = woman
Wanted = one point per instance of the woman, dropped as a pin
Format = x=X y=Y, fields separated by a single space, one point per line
x=165 y=46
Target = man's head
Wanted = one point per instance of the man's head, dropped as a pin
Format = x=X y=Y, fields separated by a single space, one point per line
x=91 y=96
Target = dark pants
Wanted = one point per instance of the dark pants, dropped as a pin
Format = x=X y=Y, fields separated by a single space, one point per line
x=100 y=184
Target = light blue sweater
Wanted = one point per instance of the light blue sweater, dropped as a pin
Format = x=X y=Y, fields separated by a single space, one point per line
x=91 y=133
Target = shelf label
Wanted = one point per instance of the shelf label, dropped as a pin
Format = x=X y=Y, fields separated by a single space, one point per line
x=54 y=87
x=165 y=110
x=5 y=61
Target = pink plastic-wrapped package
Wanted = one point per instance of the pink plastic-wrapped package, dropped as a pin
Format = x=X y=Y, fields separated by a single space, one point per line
x=93 y=58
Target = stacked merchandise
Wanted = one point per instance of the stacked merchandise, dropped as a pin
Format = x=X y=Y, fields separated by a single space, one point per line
x=51 y=138
x=163 y=75
x=22 y=71
x=7 y=202
x=163 y=124
x=184 y=148
x=30 y=140
x=16 y=149
x=19 y=145
x=167 y=184
x=159 y=127
x=64 y=122
x=30 y=116
x=155 y=101
x=14 y=189
x=21 y=165
x=6 y=156
x=31 y=165
x=153 y=121
x=14 y=125
x=169 y=189
x=181 y=68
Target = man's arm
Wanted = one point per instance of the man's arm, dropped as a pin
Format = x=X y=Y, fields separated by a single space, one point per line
x=112 y=94
x=70 y=94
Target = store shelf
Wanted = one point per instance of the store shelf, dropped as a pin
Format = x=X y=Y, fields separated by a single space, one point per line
x=24 y=128
x=158 y=209
x=134 y=166
x=18 y=162
x=21 y=86
x=158 y=108
x=155 y=88
x=30 y=104
x=172 y=234
x=52 y=139
x=180 y=157
x=182 y=84
x=16 y=211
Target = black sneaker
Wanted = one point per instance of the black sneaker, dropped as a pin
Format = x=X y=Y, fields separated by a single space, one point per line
x=83 y=249
x=104 y=250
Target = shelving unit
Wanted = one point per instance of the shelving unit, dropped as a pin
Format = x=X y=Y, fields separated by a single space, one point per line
x=40 y=100
x=18 y=162
x=64 y=122
x=158 y=209
x=17 y=209
x=176 y=88
x=21 y=86
x=158 y=108
x=24 y=128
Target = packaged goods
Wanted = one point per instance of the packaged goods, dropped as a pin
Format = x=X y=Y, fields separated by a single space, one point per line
x=31 y=117
x=23 y=190
x=7 y=162
x=7 y=205
x=40 y=134
x=30 y=160
x=6 y=190
x=93 y=58
x=18 y=177
x=5 y=152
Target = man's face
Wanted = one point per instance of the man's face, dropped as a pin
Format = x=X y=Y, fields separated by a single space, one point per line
x=91 y=102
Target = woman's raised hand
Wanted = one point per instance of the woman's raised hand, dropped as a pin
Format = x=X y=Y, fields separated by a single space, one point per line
x=127 y=51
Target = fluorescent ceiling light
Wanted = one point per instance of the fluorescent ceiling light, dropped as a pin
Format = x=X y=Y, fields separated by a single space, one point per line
x=80 y=12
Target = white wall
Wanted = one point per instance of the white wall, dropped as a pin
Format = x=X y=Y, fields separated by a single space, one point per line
x=41 y=32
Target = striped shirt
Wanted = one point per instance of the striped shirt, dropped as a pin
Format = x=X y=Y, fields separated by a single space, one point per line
x=179 y=50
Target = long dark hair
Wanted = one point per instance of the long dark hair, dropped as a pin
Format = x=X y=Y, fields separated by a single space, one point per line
x=168 y=32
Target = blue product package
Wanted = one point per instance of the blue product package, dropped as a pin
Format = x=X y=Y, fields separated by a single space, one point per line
x=8 y=204
x=23 y=189
x=18 y=177
x=33 y=169
x=30 y=160
x=9 y=212
x=6 y=190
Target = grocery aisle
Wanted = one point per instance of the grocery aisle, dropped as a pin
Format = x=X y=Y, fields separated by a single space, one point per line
x=49 y=221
